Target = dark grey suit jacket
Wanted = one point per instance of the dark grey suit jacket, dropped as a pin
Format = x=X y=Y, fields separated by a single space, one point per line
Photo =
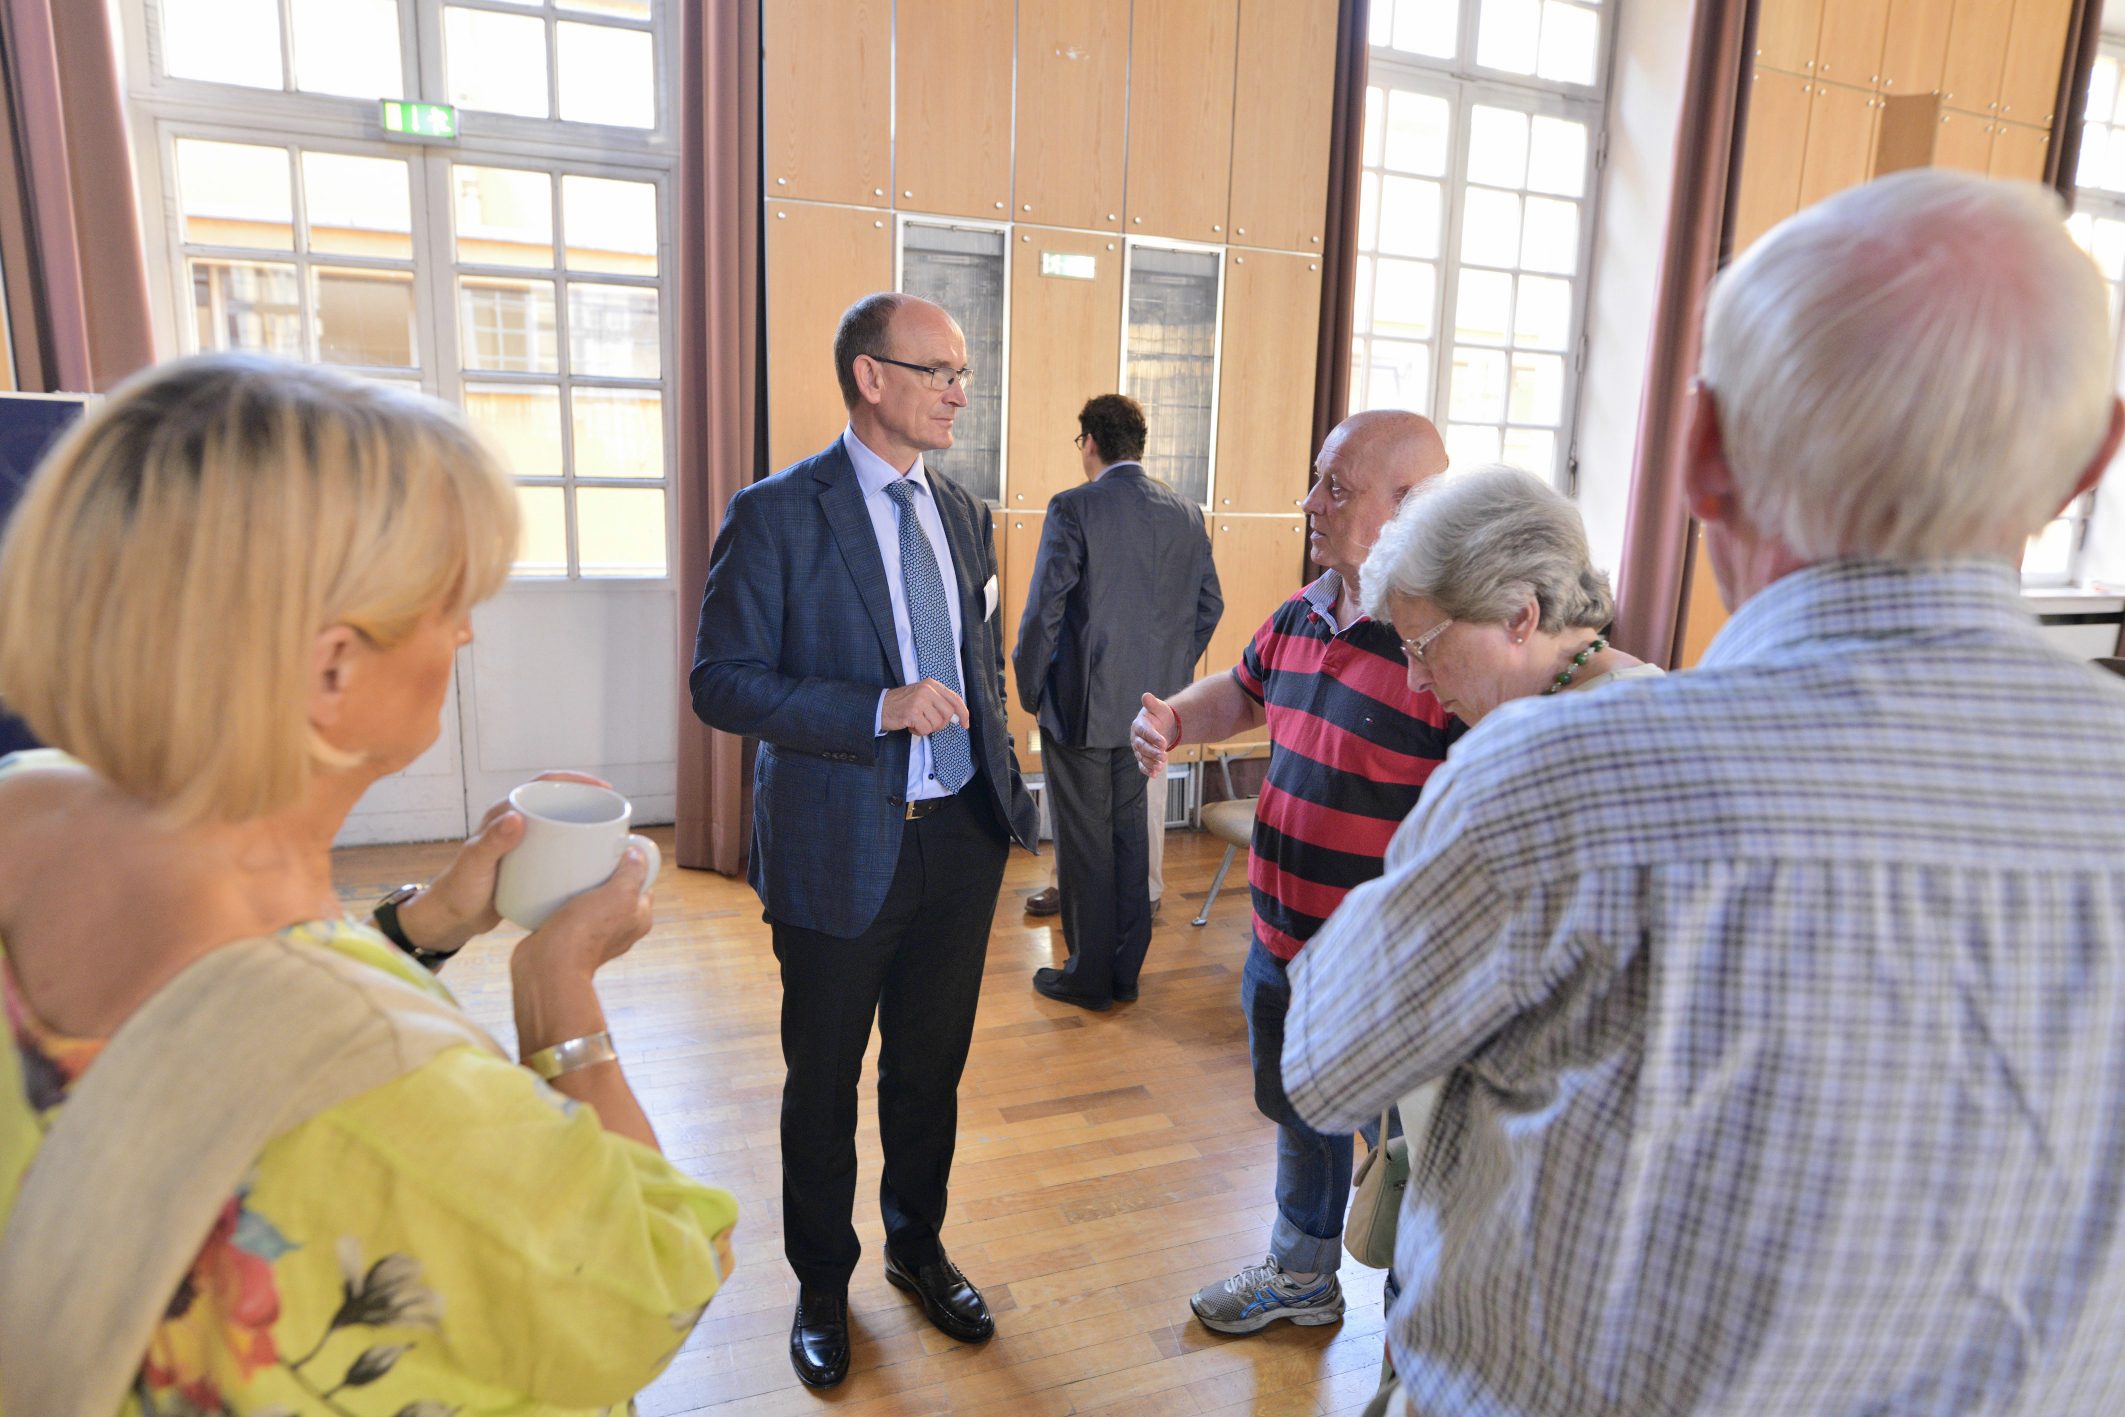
x=796 y=641
x=1123 y=600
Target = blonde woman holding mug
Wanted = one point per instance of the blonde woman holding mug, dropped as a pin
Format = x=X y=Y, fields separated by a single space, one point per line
x=252 y=1157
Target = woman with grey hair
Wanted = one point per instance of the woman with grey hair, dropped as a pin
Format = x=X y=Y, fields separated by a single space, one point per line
x=1488 y=580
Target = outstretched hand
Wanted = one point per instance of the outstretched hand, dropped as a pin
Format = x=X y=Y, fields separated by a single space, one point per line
x=1156 y=729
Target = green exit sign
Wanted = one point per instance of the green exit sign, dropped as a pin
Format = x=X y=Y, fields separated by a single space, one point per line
x=419 y=122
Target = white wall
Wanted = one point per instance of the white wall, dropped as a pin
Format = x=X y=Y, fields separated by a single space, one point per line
x=1645 y=101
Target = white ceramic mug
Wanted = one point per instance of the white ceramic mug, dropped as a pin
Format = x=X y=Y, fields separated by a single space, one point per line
x=574 y=836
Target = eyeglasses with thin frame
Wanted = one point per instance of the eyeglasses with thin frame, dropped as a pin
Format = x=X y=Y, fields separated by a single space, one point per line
x=935 y=376
x=1080 y=440
x=1416 y=647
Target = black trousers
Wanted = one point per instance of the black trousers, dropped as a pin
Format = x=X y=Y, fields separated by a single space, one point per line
x=918 y=970
x=1103 y=863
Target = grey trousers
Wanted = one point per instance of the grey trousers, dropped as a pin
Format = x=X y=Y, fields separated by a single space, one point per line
x=1102 y=862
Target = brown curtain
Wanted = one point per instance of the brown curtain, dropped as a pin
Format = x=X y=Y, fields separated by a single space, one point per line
x=70 y=246
x=718 y=376
x=1653 y=580
x=2083 y=36
x=1339 y=255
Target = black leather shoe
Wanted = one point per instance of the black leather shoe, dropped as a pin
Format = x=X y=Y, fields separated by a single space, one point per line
x=953 y=1304
x=1125 y=996
x=1050 y=982
x=819 y=1337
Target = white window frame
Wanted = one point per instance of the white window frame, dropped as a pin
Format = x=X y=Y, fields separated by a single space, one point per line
x=164 y=109
x=1464 y=84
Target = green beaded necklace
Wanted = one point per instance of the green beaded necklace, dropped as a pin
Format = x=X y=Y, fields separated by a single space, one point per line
x=1578 y=659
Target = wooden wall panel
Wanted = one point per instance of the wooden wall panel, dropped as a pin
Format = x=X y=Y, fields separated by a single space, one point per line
x=1182 y=55
x=1707 y=613
x=953 y=108
x=1265 y=381
x=2036 y=58
x=1775 y=151
x=1906 y=131
x=1850 y=50
x=1964 y=142
x=820 y=260
x=1073 y=96
x=1977 y=50
x=827 y=109
x=1280 y=128
x=2019 y=150
x=1840 y=150
x=1258 y=560
x=1066 y=339
x=1916 y=46
x=1017 y=543
x=1786 y=34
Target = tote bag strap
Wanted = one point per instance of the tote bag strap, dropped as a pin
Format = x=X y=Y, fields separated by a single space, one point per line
x=246 y=1043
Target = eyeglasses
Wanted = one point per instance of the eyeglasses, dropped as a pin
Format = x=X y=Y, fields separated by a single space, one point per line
x=1421 y=643
x=1080 y=440
x=935 y=376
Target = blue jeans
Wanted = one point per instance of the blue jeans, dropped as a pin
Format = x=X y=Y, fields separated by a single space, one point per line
x=1312 y=1169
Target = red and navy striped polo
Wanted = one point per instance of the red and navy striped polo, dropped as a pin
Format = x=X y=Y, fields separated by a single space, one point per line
x=1350 y=750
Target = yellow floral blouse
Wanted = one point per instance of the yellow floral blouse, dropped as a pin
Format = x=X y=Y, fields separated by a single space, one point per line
x=463 y=1240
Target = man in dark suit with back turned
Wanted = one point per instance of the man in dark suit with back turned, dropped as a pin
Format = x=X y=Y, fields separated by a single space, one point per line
x=851 y=625
x=1123 y=601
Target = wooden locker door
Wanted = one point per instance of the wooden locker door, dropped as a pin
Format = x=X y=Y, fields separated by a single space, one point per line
x=1265 y=382
x=1850 y=50
x=1073 y=110
x=1181 y=64
x=1786 y=34
x=1840 y=151
x=952 y=108
x=1258 y=560
x=826 y=109
x=1965 y=142
x=820 y=261
x=2036 y=59
x=2019 y=150
x=1775 y=150
x=1916 y=48
x=1066 y=336
x=1977 y=52
x=1017 y=544
x=1280 y=123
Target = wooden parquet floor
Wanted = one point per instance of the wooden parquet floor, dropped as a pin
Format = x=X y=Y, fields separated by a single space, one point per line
x=1109 y=1165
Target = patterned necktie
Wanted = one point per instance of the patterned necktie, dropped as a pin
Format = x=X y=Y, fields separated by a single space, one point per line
x=930 y=616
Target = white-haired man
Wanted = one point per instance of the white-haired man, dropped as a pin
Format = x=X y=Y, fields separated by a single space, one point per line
x=1780 y=1005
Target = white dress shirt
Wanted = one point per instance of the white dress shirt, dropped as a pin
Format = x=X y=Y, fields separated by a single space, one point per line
x=873 y=474
x=1781 y=1012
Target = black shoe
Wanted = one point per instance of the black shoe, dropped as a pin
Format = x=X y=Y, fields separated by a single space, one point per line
x=1044 y=902
x=819 y=1337
x=1050 y=982
x=1124 y=996
x=953 y=1304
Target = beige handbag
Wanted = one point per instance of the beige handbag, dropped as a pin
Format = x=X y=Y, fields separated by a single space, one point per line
x=246 y=1043
x=1380 y=1180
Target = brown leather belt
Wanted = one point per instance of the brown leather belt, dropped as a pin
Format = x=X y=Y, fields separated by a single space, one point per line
x=918 y=810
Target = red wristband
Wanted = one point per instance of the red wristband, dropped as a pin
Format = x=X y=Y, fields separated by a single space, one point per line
x=1176 y=741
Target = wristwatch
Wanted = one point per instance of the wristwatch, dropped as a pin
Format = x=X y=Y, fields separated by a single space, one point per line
x=386 y=916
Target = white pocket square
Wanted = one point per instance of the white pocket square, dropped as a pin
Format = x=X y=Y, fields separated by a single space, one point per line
x=988 y=598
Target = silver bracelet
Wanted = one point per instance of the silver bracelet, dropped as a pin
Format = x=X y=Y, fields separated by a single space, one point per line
x=550 y=1063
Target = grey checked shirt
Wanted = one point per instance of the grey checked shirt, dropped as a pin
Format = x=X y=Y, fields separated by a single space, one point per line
x=1781 y=1011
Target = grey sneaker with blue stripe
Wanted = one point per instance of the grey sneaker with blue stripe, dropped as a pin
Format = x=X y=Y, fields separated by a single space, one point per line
x=1262 y=1294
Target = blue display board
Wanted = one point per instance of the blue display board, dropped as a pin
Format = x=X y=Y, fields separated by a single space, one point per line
x=29 y=425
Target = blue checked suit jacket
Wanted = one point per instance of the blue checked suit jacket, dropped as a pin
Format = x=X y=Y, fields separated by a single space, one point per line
x=796 y=642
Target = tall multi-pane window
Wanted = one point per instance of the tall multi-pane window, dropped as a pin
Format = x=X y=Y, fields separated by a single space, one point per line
x=1475 y=225
x=2054 y=554
x=961 y=268
x=516 y=271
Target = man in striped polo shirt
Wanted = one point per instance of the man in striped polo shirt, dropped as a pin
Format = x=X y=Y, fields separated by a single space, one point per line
x=1350 y=749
